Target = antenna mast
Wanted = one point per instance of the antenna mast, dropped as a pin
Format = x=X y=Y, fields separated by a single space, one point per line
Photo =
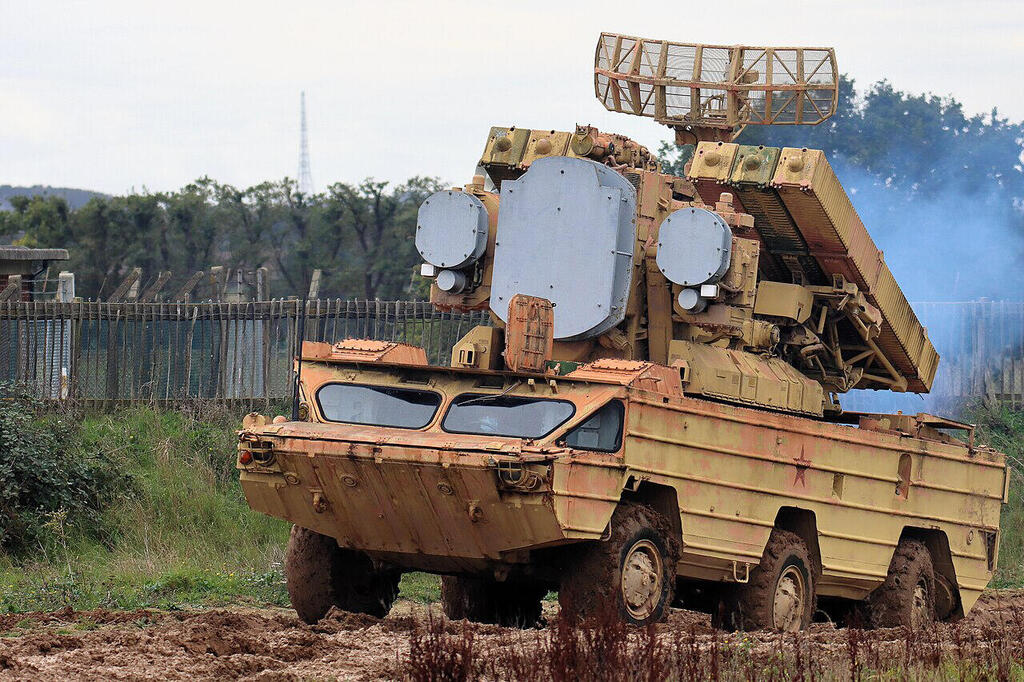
x=305 y=174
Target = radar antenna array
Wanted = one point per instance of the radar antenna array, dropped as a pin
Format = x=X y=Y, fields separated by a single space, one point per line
x=710 y=92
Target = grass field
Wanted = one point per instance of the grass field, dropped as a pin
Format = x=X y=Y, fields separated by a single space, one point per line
x=181 y=534
x=1004 y=430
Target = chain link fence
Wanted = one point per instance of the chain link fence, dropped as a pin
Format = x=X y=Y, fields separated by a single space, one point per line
x=981 y=356
x=101 y=353
x=105 y=353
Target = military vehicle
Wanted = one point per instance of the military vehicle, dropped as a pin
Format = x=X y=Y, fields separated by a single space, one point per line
x=653 y=415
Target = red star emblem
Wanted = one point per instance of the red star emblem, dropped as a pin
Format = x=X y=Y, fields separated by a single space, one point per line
x=802 y=463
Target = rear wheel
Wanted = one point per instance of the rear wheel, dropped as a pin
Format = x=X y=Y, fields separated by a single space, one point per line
x=633 y=571
x=513 y=603
x=907 y=597
x=320 y=574
x=780 y=592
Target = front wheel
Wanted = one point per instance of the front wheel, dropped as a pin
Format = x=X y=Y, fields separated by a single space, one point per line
x=634 y=569
x=320 y=574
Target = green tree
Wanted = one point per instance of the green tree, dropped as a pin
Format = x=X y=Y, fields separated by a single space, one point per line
x=383 y=224
x=36 y=221
x=359 y=236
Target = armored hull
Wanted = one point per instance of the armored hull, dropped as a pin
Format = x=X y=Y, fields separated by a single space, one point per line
x=725 y=475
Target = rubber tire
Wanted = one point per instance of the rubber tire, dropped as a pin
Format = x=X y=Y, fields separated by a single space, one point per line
x=320 y=574
x=891 y=605
x=481 y=600
x=592 y=579
x=750 y=606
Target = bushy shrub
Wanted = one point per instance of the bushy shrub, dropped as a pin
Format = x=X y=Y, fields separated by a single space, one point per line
x=43 y=472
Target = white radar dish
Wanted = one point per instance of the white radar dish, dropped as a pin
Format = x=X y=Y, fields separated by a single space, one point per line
x=451 y=229
x=694 y=247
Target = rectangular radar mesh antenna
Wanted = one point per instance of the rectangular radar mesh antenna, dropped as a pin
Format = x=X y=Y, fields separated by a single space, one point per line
x=710 y=92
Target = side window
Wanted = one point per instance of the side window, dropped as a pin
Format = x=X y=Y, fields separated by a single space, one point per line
x=601 y=432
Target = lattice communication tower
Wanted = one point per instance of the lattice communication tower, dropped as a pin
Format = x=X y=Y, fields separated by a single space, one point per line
x=305 y=174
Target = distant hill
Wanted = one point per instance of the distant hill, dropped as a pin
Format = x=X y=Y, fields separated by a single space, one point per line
x=76 y=198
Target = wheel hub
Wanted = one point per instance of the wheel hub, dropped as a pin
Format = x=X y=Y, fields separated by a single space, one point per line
x=642 y=579
x=920 y=614
x=790 y=597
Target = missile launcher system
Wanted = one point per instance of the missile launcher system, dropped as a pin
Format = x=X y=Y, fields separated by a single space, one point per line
x=753 y=273
x=654 y=410
x=809 y=227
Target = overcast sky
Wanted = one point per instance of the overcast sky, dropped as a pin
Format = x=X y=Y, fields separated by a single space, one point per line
x=118 y=95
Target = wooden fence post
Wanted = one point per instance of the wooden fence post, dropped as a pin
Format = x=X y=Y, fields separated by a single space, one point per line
x=128 y=289
x=113 y=376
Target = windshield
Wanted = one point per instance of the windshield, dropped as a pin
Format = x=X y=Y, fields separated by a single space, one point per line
x=506 y=415
x=377 y=405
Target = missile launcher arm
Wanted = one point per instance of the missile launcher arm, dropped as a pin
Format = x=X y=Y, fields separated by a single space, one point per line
x=808 y=225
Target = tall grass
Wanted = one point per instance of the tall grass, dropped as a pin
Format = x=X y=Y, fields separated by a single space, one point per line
x=1003 y=429
x=182 y=532
x=178 y=532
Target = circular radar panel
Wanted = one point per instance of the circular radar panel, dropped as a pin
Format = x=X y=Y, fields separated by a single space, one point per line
x=451 y=229
x=694 y=247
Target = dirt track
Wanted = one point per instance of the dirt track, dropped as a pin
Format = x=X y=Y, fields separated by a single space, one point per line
x=272 y=644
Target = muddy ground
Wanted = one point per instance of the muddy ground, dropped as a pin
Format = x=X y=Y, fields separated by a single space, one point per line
x=272 y=644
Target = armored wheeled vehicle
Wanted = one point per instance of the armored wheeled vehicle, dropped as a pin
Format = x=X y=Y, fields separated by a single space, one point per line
x=653 y=414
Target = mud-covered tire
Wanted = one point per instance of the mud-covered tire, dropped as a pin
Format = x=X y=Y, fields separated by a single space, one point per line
x=320 y=574
x=780 y=593
x=907 y=597
x=512 y=603
x=633 y=571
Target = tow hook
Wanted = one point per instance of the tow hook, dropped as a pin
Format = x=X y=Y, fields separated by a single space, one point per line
x=252 y=450
x=513 y=475
x=319 y=502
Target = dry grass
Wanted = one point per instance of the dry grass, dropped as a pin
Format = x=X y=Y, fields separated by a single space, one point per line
x=605 y=649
